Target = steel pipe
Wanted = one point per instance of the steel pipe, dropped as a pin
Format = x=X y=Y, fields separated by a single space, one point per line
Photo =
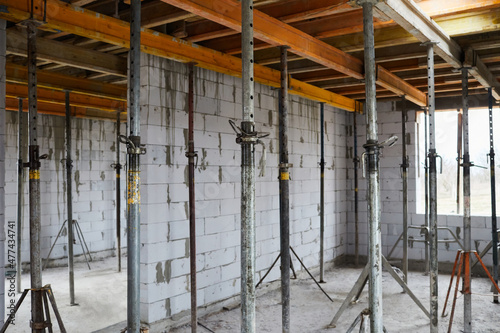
x=247 y=172
x=118 y=198
x=372 y=155
x=356 y=185
x=426 y=189
x=494 y=227
x=69 y=202
x=20 y=195
x=322 y=197
x=466 y=190
x=37 y=317
x=191 y=154
x=134 y=152
x=433 y=230
x=404 y=169
x=284 y=194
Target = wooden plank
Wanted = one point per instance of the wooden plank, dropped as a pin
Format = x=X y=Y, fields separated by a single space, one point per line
x=11 y=104
x=64 y=17
x=413 y=19
x=274 y=32
x=66 y=54
x=58 y=97
x=481 y=73
x=19 y=74
x=288 y=12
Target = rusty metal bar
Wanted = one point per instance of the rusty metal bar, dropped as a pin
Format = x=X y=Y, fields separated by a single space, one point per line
x=191 y=155
x=467 y=212
x=404 y=169
x=426 y=188
x=134 y=151
x=322 y=197
x=494 y=227
x=459 y=155
x=355 y=160
x=20 y=195
x=69 y=203
x=34 y=184
x=433 y=229
x=118 y=167
x=372 y=154
x=247 y=141
x=284 y=194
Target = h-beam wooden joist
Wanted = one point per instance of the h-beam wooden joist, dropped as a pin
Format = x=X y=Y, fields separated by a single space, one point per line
x=413 y=19
x=64 y=17
x=67 y=54
x=275 y=32
x=19 y=74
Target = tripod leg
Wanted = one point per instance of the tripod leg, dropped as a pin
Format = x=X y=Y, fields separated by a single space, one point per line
x=395 y=244
x=293 y=270
x=54 y=244
x=13 y=314
x=83 y=238
x=269 y=270
x=403 y=285
x=357 y=286
x=451 y=282
x=47 y=312
x=356 y=298
x=459 y=274
x=80 y=237
x=312 y=277
x=354 y=323
x=54 y=307
x=487 y=272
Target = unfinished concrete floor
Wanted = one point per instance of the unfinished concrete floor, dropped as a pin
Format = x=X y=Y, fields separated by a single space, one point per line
x=101 y=294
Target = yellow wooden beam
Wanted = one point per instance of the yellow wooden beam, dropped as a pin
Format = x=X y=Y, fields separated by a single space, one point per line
x=275 y=32
x=58 y=97
x=67 y=54
x=65 y=17
x=12 y=104
x=19 y=74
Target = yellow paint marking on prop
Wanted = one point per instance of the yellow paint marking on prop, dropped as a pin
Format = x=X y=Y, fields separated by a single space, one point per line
x=285 y=176
x=34 y=174
x=134 y=196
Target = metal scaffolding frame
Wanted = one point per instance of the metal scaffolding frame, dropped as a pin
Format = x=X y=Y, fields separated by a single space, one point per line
x=433 y=226
x=322 y=196
x=34 y=186
x=247 y=138
x=134 y=150
x=467 y=215
x=404 y=175
x=191 y=154
x=355 y=161
x=494 y=227
x=20 y=195
x=284 y=184
x=372 y=153
x=118 y=195
x=69 y=202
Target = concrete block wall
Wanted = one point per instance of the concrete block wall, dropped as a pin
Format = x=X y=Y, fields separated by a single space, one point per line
x=164 y=190
x=93 y=151
x=391 y=195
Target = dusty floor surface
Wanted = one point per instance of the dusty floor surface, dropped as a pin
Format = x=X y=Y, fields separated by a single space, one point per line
x=101 y=294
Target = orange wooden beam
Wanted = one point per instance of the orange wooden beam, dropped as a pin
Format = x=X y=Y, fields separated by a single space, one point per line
x=12 y=104
x=275 y=32
x=64 y=17
x=58 y=97
x=19 y=74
